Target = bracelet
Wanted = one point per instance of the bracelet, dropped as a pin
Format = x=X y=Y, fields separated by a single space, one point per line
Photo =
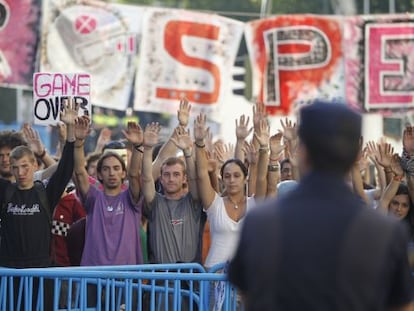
x=188 y=155
x=40 y=156
x=137 y=146
x=273 y=168
x=139 y=150
x=263 y=149
x=80 y=146
x=398 y=178
x=199 y=146
x=273 y=159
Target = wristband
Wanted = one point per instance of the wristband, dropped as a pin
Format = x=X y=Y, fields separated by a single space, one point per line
x=137 y=146
x=398 y=178
x=273 y=168
x=40 y=156
x=200 y=146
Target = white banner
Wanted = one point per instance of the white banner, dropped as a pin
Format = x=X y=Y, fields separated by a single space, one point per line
x=187 y=54
x=98 y=38
x=50 y=90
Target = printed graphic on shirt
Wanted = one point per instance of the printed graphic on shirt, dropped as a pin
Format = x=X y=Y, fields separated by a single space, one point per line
x=177 y=222
x=22 y=210
x=60 y=228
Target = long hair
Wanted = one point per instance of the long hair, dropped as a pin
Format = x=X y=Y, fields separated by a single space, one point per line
x=409 y=218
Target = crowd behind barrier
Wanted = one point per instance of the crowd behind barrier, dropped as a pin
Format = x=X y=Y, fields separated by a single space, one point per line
x=139 y=287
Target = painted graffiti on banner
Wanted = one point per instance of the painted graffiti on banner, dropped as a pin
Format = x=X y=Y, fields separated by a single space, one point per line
x=50 y=90
x=389 y=65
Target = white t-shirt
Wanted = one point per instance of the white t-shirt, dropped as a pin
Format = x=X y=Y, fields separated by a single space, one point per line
x=224 y=231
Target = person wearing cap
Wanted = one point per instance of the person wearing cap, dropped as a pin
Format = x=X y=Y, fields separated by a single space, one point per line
x=319 y=247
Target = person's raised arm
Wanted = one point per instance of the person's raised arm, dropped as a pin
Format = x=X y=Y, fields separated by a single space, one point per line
x=242 y=131
x=373 y=155
x=259 y=113
x=205 y=190
x=251 y=157
x=169 y=149
x=35 y=143
x=183 y=142
x=262 y=136
x=103 y=138
x=135 y=137
x=386 y=152
x=273 y=169
x=61 y=129
x=357 y=182
x=290 y=135
x=80 y=173
x=58 y=181
x=408 y=158
x=147 y=181
x=392 y=187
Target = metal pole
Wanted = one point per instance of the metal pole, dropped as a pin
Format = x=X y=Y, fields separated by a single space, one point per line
x=392 y=6
x=366 y=7
x=264 y=8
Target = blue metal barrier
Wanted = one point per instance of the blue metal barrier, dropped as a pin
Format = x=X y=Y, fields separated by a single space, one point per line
x=115 y=288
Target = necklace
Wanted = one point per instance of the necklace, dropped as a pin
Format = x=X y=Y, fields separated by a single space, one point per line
x=236 y=204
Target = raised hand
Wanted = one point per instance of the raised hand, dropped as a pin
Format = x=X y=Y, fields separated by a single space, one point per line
x=200 y=130
x=262 y=134
x=242 y=128
x=183 y=112
x=276 y=146
x=209 y=141
x=134 y=133
x=212 y=161
x=182 y=138
x=251 y=153
x=372 y=151
x=386 y=152
x=408 y=140
x=82 y=127
x=259 y=113
x=224 y=152
x=104 y=136
x=69 y=113
x=33 y=139
x=61 y=128
x=151 y=133
x=289 y=129
x=396 y=165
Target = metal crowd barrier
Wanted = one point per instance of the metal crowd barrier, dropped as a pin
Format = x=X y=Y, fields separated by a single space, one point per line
x=141 y=287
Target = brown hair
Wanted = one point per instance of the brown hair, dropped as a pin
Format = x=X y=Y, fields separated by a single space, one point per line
x=108 y=155
x=173 y=161
x=21 y=151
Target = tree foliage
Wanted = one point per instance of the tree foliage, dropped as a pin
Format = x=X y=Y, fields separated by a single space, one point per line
x=246 y=10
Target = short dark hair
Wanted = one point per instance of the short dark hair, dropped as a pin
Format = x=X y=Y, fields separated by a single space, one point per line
x=331 y=133
x=283 y=162
x=11 y=139
x=237 y=162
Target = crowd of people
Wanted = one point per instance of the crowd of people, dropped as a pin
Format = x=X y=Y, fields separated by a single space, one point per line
x=138 y=200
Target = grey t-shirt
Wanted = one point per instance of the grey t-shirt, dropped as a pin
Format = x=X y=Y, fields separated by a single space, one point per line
x=174 y=229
